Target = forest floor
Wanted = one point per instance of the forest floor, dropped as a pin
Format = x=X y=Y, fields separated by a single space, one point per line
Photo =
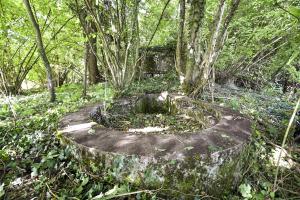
x=34 y=164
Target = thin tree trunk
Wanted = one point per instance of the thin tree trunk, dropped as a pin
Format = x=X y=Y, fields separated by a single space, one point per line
x=158 y=23
x=42 y=50
x=137 y=39
x=85 y=71
x=180 y=40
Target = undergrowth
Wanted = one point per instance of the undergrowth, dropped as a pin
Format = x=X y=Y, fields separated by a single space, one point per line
x=270 y=111
x=168 y=82
x=33 y=164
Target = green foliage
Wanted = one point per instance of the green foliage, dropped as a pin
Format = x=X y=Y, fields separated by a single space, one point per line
x=270 y=111
x=261 y=40
x=245 y=190
x=295 y=11
x=32 y=158
x=34 y=164
x=19 y=57
x=2 y=192
x=150 y=13
x=168 y=82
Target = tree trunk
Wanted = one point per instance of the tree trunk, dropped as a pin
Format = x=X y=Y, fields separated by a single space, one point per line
x=84 y=92
x=201 y=56
x=202 y=75
x=118 y=46
x=42 y=50
x=196 y=12
x=91 y=50
x=180 y=40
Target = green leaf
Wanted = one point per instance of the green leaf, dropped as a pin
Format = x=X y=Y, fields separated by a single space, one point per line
x=34 y=172
x=112 y=191
x=295 y=11
x=3 y=155
x=245 y=190
x=108 y=195
x=85 y=181
x=2 y=191
x=79 y=190
x=272 y=195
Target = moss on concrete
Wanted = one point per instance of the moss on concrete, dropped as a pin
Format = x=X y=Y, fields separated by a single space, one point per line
x=214 y=174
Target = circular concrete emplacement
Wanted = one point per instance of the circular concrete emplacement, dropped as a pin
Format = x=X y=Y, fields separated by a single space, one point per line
x=200 y=160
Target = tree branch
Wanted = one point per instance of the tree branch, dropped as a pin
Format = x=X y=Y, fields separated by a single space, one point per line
x=158 y=23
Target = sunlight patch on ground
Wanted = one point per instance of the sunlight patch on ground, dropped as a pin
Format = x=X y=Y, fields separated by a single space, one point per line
x=124 y=143
x=148 y=129
x=78 y=127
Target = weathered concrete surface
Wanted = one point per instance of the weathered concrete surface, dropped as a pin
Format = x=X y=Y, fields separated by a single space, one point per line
x=229 y=132
x=202 y=161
